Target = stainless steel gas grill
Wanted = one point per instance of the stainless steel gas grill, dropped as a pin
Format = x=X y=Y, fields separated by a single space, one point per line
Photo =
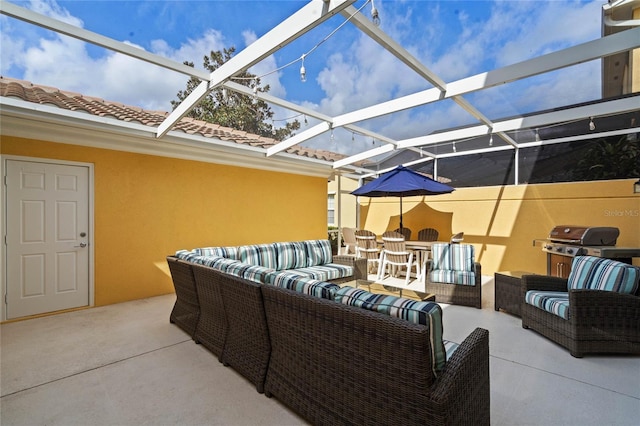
x=567 y=241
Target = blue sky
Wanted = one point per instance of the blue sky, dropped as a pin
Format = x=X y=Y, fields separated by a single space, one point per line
x=455 y=39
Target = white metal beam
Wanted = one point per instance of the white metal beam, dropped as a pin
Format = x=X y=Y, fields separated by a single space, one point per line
x=236 y=87
x=380 y=37
x=596 y=49
x=616 y=43
x=363 y=156
x=617 y=106
x=311 y=132
x=305 y=19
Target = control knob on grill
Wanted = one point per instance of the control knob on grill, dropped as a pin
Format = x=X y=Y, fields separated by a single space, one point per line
x=570 y=250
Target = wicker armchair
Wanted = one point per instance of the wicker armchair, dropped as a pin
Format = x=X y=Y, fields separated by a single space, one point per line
x=599 y=321
x=186 y=311
x=453 y=275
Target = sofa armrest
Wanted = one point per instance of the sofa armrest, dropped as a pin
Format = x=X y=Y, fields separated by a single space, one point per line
x=543 y=283
x=462 y=389
x=604 y=309
x=359 y=265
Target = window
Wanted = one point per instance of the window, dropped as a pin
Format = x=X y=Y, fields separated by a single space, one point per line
x=331 y=209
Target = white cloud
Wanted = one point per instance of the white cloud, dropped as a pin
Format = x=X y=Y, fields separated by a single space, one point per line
x=65 y=63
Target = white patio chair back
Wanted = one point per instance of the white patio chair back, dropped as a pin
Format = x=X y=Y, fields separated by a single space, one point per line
x=367 y=247
x=396 y=256
x=349 y=240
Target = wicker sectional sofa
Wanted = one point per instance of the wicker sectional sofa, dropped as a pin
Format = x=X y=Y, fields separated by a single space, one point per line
x=339 y=355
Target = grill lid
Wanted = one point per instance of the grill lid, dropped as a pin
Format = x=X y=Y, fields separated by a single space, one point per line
x=585 y=235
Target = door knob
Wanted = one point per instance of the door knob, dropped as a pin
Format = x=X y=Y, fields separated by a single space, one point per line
x=82 y=245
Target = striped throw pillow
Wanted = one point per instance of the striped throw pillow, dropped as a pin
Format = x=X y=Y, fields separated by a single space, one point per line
x=228 y=252
x=291 y=255
x=318 y=252
x=458 y=257
x=596 y=273
x=259 y=254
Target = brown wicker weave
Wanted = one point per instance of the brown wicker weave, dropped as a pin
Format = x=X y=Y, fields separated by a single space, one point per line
x=336 y=364
x=359 y=266
x=212 y=326
x=186 y=310
x=599 y=321
x=247 y=347
x=457 y=294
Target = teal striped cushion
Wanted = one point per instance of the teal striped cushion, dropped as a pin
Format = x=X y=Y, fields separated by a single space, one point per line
x=259 y=254
x=452 y=277
x=219 y=263
x=426 y=313
x=318 y=252
x=291 y=255
x=439 y=257
x=556 y=302
x=458 y=257
x=228 y=252
x=356 y=297
x=596 y=273
x=305 y=285
x=328 y=272
x=254 y=273
x=450 y=348
x=186 y=255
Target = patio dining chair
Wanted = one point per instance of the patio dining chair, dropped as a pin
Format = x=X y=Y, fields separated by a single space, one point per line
x=367 y=247
x=396 y=256
x=406 y=232
x=428 y=234
x=349 y=240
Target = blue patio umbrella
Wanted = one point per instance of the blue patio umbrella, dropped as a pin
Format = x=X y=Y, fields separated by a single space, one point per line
x=402 y=182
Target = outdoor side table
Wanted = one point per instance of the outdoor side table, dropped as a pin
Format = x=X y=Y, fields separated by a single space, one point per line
x=508 y=291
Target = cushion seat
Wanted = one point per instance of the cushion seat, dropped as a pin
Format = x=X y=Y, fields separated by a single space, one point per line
x=327 y=272
x=556 y=302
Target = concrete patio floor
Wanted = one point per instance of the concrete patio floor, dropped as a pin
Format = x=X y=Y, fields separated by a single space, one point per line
x=125 y=364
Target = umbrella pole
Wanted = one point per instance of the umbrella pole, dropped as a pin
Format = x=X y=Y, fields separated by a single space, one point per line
x=400 y=214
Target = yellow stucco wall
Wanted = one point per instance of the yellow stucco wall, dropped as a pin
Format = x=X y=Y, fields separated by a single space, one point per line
x=502 y=222
x=147 y=207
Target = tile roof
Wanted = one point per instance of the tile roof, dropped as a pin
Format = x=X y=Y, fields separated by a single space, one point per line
x=71 y=101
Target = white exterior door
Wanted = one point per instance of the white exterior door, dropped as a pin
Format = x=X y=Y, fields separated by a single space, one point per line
x=47 y=244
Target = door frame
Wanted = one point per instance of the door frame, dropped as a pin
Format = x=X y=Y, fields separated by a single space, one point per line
x=3 y=220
